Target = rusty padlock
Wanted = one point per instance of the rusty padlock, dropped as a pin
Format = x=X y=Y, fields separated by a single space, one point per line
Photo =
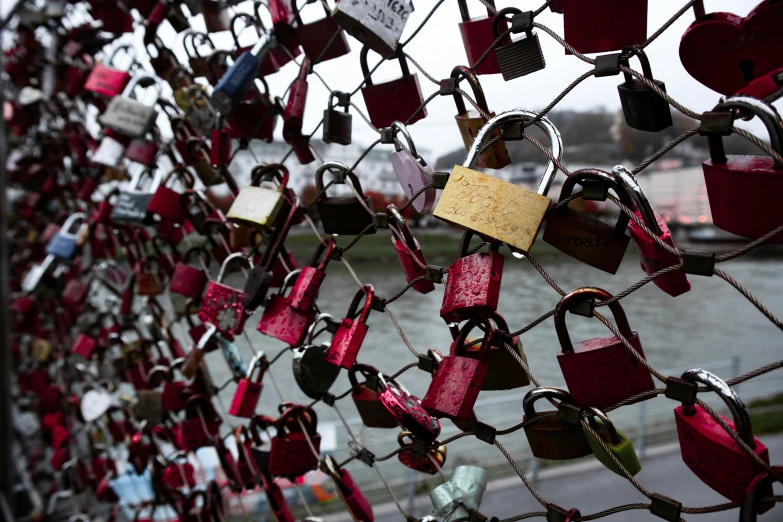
x=550 y=437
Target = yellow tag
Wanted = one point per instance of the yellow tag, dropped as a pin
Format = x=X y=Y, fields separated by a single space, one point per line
x=492 y=207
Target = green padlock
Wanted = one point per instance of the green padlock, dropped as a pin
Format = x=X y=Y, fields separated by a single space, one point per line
x=619 y=444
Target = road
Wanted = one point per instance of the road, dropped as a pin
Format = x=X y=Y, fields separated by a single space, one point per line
x=593 y=489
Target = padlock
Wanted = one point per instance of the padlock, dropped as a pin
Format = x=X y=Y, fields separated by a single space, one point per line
x=411 y=178
x=291 y=454
x=64 y=244
x=107 y=80
x=270 y=64
x=495 y=208
x=460 y=495
x=200 y=113
x=187 y=280
x=377 y=25
x=521 y=57
x=408 y=251
x=550 y=437
x=239 y=77
x=755 y=502
x=248 y=392
x=131 y=206
x=287 y=37
x=199 y=159
x=165 y=201
x=136 y=364
x=318 y=39
x=470 y=122
x=767 y=87
x=396 y=100
x=119 y=429
x=312 y=373
x=477 y=37
x=277 y=503
x=284 y=322
x=153 y=20
x=585 y=237
x=642 y=107
x=337 y=125
x=178 y=472
x=294 y=110
x=594 y=26
x=217 y=16
x=457 y=380
x=222 y=305
x=373 y=412
x=708 y=450
x=408 y=411
x=350 y=334
x=256 y=115
x=220 y=150
x=353 y=498
x=343 y=214
x=41 y=349
x=143 y=151
x=249 y=474
x=653 y=256
x=600 y=372
x=150 y=280
x=505 y=372
x=164 y=60
x=726 y=37
x=308 y=283
x=617 y=442
x=180 y=79
x=420 y=456
x=200 y=425
x=129 y=116
x=753 y=177
x=111 y=149
x=473 y=284
x=174 y=394
x=259 y=207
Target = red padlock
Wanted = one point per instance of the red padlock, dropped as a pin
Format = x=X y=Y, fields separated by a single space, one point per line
x=372 y=411
x=353 y=498
x=165 y=202
x=200 y=425
x=308 y=283
x=350 y=334
x=248 y=391
x=220 y=150
x=599 y=372
x=408 y=251
x=284 y=322
x=294 y=110
x=188 y=280
x=457 y=380
x=473 y=284
x=291 y=454
x=119 y=429
x=269 y=66
x=178 y=472
x=174 y=394
x=477 y=37
x=768 y=87
x=107 y=80
x=653 y=256
x=249 y=474
x=408 y=411
x=88 y=343
x=314 y=37
x=392 y=101
x=597 y=26
x=707 y=449
x=136 y=364
x=256 y=115
x=222 y=305
x=277 y=503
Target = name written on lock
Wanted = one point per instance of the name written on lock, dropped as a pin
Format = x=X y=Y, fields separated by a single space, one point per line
x=492 y=207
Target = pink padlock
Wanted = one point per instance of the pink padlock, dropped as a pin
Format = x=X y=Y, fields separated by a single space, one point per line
x=284 y=322
x=294 y=110
x=353 y=498
x=351 y=332
x=411 y=178
x=307 y=284
x=408 y=251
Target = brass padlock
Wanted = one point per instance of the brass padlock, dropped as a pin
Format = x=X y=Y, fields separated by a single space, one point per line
x=258 y=207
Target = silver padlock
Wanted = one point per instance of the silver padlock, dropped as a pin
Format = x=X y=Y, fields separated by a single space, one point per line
x=128 y=116
x=110 y=152
x=462 y=492
x=375 y=23
x=411 y=178
x=200 y=113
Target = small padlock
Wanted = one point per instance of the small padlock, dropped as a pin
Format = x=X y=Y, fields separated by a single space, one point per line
x=199 y=112
x=376 y=24
x=174 y=394
x=187 y=280
x=411 y=178
x=373 y=412
x=550 y=437
x=165 y=201
x=585 y=237
x=277 y=503
x=284 y=322
x=222 y=305
x=505 y=372
x=310 y=278
x=396 y=100
x=256 y=115
x=200 y=425
x=64 y=244
x=352 y=497
x=408 y=251
x=653 y=256
x=337 y=125
x=270 y=64
x=294 y=110
x=597 y=26
x=248 y=392
x=457 y=380
x=150 y=280
x=419 y=456
x=318 y=38
x=344 y=214
x=239 y=77
x=708 y=450
x=259 y=207
x=131 y=206
x=617 y=442
x=164 y=60
x=600 y=372
x=312 y=373
x=128 y=116
x=477 y=37
x=107 y=80
x=291 y=454
x=350 y=334
x=220 y=149
x=520 y=57
x=643 y=108
x=198 y=64
x=178 y=474
x=180 y=79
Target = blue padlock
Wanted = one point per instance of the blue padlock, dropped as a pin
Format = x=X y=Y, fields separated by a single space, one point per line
x=64 y=244
x=239 y=77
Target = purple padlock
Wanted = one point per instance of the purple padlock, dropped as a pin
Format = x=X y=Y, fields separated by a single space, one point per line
x=411 y=178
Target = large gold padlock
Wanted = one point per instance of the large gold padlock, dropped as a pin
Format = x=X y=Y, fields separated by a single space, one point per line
x=494 y=208
x=470 y=122
x=258 y=207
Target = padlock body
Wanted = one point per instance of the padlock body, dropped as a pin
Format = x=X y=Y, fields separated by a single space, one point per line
x=505 y=372
x=410 y=267
x=553 y=439
x=713 y=456
x=354 y=499
x=165 y=203
x=472 y=287
x=623 y=450
x=586 y=238
x=173 y=396
x=372 y=411
x=344 y=215
x=643 y=108
x=409 y=413
x=455 y=388
x=346 y=343
x=655 y=258
x=753 y=177
x=337 y=127
x=222 y=306
x=284 y=322
x=600 y=372
x=142 y=151
x=291 y=456
x=376 y=24
x=520 y=58
x=190 y=434
x=85 y=346
x=149 y=283
x=314 y=38
x=412 y=180
x=188 y=280
x=305 y=289
x=477 y=37
x=245 y=399
x=423 y=463
x=294 y=111
x=106 y=80
x=596 y=26
x=256 y=207
x=392 y=101
x=496 y=156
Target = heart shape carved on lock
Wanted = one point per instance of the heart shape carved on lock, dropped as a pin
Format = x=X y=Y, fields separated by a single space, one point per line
x=725 y=52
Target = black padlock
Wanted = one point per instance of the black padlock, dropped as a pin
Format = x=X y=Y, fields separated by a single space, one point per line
x=642 y=107
x=342 y=214
x=521 y=57
x=337 y=125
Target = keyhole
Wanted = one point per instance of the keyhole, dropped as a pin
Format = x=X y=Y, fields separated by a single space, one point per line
x=747 y=69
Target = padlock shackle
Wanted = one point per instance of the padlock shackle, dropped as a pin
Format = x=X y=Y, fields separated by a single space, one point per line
x=196 y=144
x=335 y=165
x=298 y=410
x=739 y=411
x=230 y=259
x=318 y=318
x=641 y=202
x=158 y=375
x=398 y=126
x=259 y=361
x=68 y=224
x=614 y=437
x=195 y=92
x=250 y=21
x=584 y=294
x=542 y=392
x=323 y=254
x=465 y=13
x=337 y=94
x=369 y=292
x=129 y=48
x=199 y=251
x=202 y=39
x=464 y=243
x=757 y=490
x=289 y=280
x=631 y=51
x=181 y=173
x=515 y=115
x=399 y=226
x=259 y=422
x=605 y=179
x=766 y=112
x=145 y=81
x=501 y=15
x=461 y=72
x=364 y=369
x=273 y=171
x=459 y=343
x=399 y=54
